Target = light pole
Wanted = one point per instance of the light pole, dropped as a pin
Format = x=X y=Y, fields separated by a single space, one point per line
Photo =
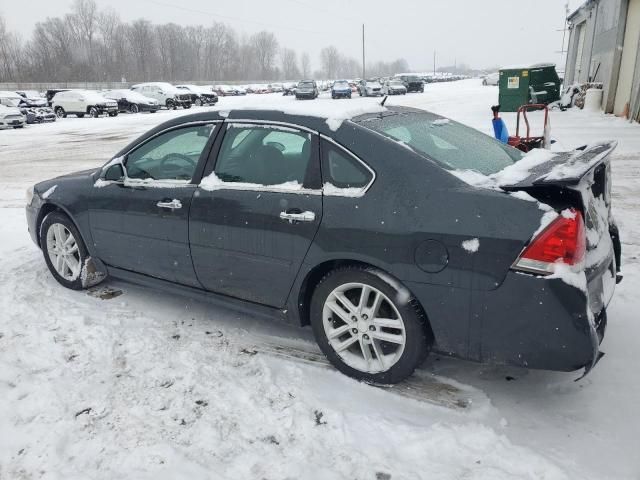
x=363 y=68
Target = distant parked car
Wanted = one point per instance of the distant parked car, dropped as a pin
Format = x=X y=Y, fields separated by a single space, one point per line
x=83 y=102
x=132 y=101
x=200 y=95
x=307 y=89
x=413 y=83
x=225 y=90
x=369 y=88
x=289 y=89
x=35 y=110
x=394 y=87
x=491 y=80
x=11 y=117
x=165 y=93
x=341 y=89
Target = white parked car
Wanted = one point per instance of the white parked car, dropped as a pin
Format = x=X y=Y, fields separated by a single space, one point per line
x=166 y=94
x=492 y=79
x=370 y=88
x=130 y=101
x=83 y=102
x=11 y=117
x=394 y=87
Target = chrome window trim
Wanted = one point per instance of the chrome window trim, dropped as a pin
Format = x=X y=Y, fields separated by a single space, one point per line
x=277 y=123
x=364 y=189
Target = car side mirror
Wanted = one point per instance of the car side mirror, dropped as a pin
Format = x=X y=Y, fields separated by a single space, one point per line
x=115 y=173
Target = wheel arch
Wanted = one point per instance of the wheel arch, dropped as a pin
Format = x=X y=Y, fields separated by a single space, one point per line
x=317 y=273
x=49 y=207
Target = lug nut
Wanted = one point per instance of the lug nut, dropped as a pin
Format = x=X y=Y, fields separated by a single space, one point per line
x=372 y=328
x=365 y=336
x=354 y=319
x=355 y=330
x=365 y=317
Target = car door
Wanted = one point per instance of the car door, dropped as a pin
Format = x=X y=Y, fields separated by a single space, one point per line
x=140 y=222
x=255 y=215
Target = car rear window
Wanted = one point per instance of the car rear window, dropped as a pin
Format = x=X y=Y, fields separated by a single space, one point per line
x=451 y=144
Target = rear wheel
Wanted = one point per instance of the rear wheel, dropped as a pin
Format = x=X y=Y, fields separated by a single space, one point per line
x=63 y=249
x=133 y=108
x=368 y=326
x=93 y=112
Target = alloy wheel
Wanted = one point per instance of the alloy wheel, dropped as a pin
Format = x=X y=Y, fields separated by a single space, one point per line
x=364 y=327
x=63 y=252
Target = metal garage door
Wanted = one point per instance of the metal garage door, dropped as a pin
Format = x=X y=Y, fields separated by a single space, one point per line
x=629 y=55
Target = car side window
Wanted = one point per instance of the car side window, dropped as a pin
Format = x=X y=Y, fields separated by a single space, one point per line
x=264 y=155
x=172 y=155
x=342 y=170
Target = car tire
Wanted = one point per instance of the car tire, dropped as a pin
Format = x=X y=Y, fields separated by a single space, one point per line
x=396 y=343
x=93 y=112
x=186 y=106
x=198 y=102
x=60 y=113
x=134 y=108
x=113 y=114
x=152 y=111
x=66 y=268
x=80 y=115
x=18 y=126
x=170 y=104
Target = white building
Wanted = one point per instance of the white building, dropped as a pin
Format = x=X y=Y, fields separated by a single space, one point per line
x=604 y=47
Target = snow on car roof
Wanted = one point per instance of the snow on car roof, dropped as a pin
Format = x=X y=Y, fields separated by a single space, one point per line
x=334 y=113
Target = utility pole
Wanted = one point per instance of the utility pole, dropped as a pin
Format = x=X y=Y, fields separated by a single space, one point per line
x=363 y=59
x=434 y=63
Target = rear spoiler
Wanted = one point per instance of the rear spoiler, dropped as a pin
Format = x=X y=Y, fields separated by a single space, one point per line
x=566 y=168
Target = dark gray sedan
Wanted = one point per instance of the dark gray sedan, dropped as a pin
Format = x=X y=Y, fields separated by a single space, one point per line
x=391 y=233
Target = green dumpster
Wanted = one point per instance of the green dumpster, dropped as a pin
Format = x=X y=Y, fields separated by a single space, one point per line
x=525 y=85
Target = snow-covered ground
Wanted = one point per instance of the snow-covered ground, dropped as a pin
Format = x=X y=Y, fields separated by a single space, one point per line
x=126 y=382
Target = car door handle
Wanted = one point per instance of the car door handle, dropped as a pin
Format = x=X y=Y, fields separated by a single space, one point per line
x=297 y=216
x=170 y=204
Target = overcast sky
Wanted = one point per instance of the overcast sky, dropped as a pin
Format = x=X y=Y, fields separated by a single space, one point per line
x=480 y=33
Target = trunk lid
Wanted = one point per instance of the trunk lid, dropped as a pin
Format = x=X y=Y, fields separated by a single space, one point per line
x=581 y=179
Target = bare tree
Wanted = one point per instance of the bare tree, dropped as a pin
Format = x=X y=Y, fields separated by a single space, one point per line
x=265 y=46
x=289 y=62
x=330 y=61
x=305 y=63
x=91 y=44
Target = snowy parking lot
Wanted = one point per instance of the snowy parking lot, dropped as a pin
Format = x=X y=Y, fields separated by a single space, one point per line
x=125 y=382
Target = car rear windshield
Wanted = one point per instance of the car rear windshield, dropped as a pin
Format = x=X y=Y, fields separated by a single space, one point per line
x=451 y=144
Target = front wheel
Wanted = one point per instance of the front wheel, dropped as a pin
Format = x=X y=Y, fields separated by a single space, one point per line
x=368 y=325
x=134 y=108
x=93 y=112
x=63 y=249
x=170 y=104
x=60 y=113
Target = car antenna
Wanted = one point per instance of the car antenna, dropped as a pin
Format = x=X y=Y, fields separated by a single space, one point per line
x=384 y=100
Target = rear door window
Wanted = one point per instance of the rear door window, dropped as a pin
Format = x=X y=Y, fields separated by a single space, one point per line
x=264 y=155
x=342 y=170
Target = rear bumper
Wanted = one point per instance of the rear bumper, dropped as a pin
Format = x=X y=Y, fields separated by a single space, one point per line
x=528 y=321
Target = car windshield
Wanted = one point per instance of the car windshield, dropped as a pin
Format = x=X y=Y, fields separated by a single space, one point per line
x=306 y=84
x=341 y=84
x=451 y=144
x=11 y=102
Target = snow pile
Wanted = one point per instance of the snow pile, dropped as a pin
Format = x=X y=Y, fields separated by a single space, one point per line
x=331 y=190
x=440 y=122
x=471 y=246
x=213 y=182
x=49 y=192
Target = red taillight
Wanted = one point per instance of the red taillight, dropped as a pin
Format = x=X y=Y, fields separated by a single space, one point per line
x=562 y=241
